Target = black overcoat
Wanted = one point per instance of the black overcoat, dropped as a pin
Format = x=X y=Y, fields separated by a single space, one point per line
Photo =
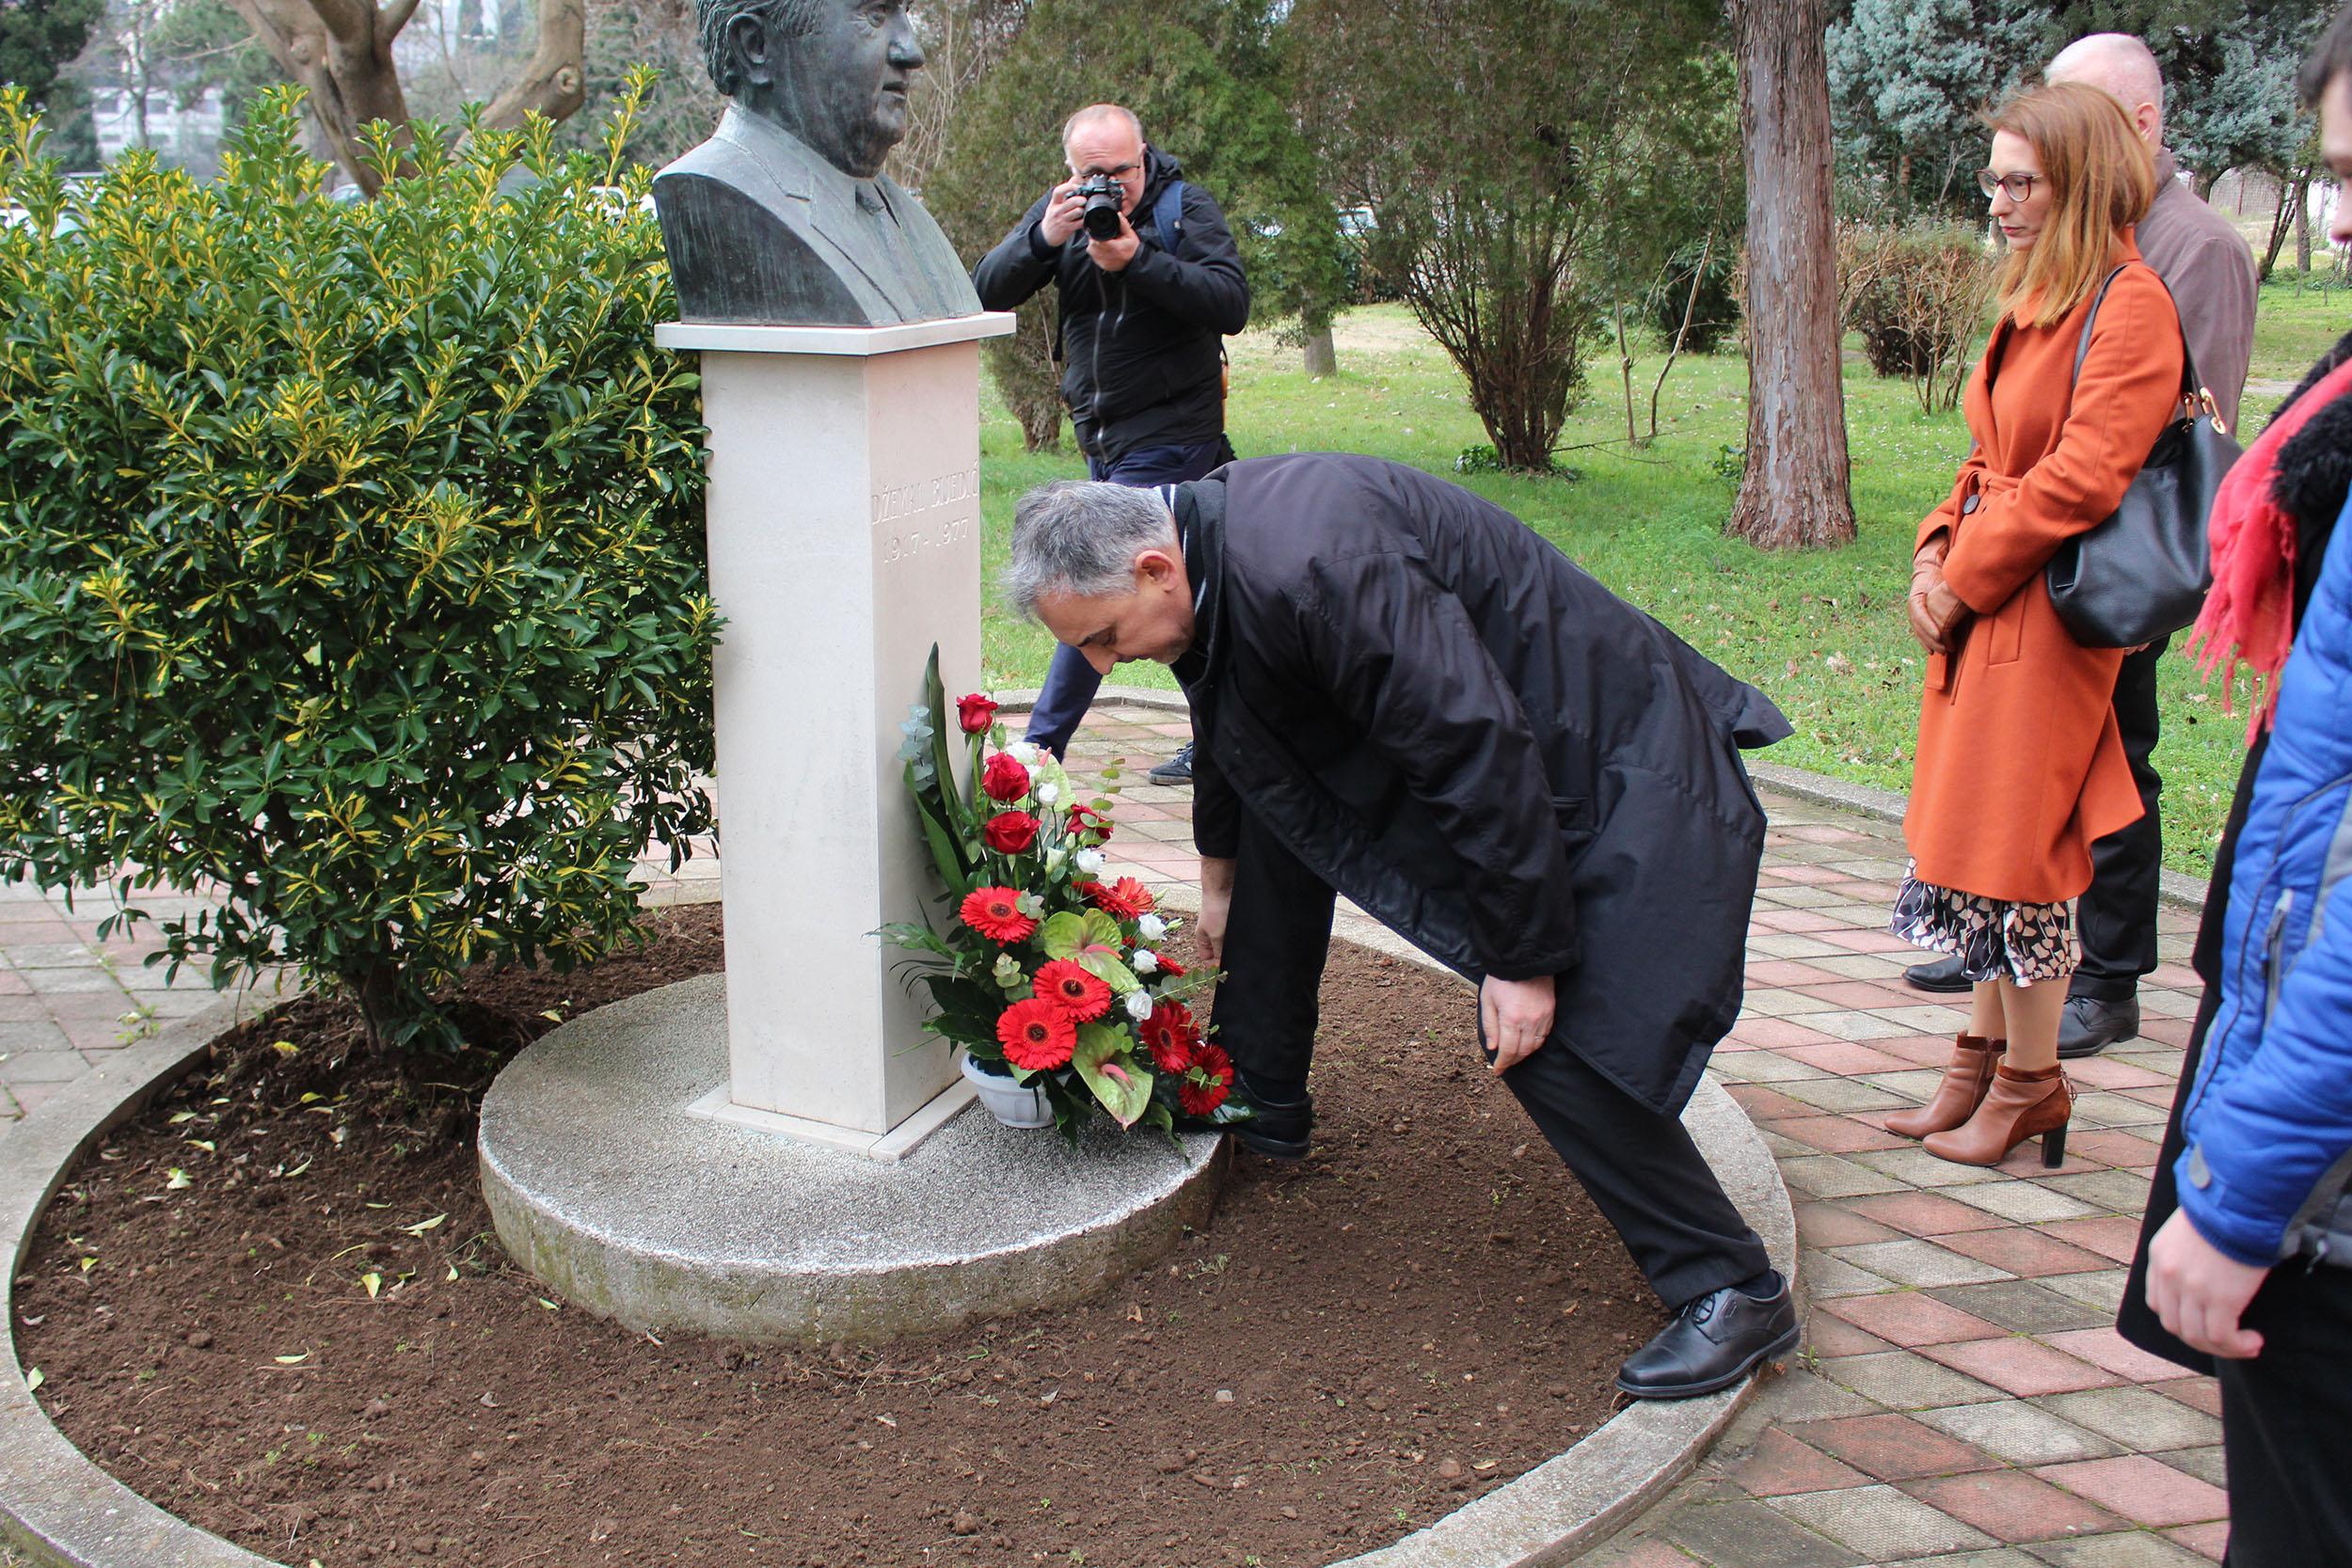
x=1463 y=732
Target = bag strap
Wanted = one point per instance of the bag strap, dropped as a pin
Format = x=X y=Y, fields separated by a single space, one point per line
x=1167 y=214
x=2191 y=387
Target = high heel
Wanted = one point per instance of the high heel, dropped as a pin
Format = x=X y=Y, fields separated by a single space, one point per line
x=2019 y=1105
x=1956 y=1098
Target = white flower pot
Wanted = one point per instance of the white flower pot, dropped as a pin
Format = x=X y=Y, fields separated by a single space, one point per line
x=1014 y=1104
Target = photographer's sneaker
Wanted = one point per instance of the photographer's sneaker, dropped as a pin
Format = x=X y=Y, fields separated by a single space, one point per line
x=1176 y=769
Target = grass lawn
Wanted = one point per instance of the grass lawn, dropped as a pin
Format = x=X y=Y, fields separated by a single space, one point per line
x=1821 y=631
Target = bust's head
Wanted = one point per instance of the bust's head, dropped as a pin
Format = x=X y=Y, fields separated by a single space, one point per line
x=833 y=72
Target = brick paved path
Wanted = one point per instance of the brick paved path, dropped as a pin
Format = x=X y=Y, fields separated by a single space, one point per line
x=1962 y=1399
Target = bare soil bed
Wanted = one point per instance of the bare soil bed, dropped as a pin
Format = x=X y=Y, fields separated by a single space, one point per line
x=274 y=1306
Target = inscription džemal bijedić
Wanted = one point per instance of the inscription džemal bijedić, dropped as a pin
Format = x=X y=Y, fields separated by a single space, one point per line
x=907 y=509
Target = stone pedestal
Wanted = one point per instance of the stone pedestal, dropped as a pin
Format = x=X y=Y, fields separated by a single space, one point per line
x=845 y=540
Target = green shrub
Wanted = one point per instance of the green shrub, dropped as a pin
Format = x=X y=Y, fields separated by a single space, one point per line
x=350 y=554
x=1714 y=315
x=1919 y=297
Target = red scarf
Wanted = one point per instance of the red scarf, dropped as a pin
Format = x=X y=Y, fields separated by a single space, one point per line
x=2248 y=617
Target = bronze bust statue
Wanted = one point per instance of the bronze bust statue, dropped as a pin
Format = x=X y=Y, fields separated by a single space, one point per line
x=783 y=216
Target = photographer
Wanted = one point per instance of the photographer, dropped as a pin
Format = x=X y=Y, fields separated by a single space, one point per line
x=1149 y=284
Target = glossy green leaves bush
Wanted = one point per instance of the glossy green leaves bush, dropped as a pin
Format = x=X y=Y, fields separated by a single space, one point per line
x=351 y=560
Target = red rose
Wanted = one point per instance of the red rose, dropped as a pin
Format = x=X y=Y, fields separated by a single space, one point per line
x=996 y=914
x=1085 y=819
x=1035 y=1034
x=976 y=713
x=1080 y=995
x=1009 y=832
x=1004 y=779
x=1207 y=1081
x=1171 y=1034
x=1122 y=900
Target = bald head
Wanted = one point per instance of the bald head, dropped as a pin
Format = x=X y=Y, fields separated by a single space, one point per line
x=2125 y=70
x=1097 y=117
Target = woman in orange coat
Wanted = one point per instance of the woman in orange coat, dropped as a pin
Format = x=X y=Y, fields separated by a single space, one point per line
x=2019 y=764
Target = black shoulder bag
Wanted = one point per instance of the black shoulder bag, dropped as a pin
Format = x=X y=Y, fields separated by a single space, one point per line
x=2142 y=572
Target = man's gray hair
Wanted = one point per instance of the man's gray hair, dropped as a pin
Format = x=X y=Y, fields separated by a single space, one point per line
x=1093 y=112
x=785 y=19
x=1077 y=537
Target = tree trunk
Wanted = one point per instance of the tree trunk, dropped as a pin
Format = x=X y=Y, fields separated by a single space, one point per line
x=1323 y=358
x=2302 y=223
x=2281 y=222
x=1796 y=488
x=554 y=81
x=2202 y=183
x=339 y=52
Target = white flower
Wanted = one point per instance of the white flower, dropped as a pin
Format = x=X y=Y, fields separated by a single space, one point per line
x=1023 y=752
x=1054 y=859
x=1147 y=961
x=1138 y=1004
x=1048 y=793
x=1088 y=860
x=1153 y=928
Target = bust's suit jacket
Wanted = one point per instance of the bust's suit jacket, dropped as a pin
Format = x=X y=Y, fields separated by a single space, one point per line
x=761 y=228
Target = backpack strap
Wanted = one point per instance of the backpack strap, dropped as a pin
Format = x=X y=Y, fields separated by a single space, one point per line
x=1167 y=214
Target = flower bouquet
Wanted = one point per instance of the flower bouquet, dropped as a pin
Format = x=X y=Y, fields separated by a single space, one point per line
x=1046 y=975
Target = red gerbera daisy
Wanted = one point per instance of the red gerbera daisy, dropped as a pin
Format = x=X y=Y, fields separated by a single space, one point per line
x=1167 y=965
x=1035 y=1034
x=996 y=914
x=1123 y=899
x=1207 y=1081
x=1170 y=1034
x=1079 y=996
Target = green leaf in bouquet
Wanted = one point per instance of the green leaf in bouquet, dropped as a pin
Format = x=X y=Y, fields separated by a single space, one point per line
x=1010 y=977
x=955 y=869
x=1122 y=1087
x=1062 y=936
x=1110 y=971
x=935 y=694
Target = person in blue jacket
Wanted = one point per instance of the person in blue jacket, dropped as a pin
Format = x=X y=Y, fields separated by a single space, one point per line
x=2254 y=1267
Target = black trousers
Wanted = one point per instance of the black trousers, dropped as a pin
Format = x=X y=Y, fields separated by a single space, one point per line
x=1641 y=1168
x=2286 y=1423
x=2117 y=916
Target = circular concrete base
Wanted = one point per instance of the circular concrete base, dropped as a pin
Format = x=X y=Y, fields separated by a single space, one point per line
x=602 y=1184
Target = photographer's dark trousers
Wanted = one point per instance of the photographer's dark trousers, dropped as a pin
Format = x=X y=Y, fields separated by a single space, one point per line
x=1641 y=1168
x=1071 y=682
x=2117 y=915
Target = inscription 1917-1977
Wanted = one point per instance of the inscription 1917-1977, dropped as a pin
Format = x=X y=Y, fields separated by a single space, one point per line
x=906 y=510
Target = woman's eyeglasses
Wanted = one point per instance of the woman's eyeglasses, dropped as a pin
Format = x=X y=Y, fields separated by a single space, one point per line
x=2019 y=186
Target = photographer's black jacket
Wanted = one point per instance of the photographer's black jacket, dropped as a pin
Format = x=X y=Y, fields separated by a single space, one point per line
x=1458 y=729
x=1141 y=353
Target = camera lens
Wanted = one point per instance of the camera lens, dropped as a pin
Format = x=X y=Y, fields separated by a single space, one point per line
x=1101 y=216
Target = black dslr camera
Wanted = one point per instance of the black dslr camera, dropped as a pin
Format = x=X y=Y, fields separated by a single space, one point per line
x=1104 y=196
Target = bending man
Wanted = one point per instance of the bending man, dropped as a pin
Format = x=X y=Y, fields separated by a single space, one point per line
x=1401 y=693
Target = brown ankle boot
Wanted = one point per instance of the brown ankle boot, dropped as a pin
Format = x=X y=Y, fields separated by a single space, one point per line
x=2019 y=1105
x=1957 y=1098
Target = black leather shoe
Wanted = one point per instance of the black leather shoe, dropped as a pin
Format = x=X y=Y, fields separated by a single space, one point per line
x=1282 y=1128
x=1712 y=1343
x=1176 y=769
x=1942 y=976
x=2089 y=1025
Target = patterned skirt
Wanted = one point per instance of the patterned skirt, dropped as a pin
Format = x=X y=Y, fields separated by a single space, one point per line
x=1993 y=939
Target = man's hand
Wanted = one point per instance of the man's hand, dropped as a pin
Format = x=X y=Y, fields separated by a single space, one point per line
x=1935 y=610
x=1112 y=255
x=2201 y=1293
x=1216 y=903
x=1064 y=210
x=1516 y=1015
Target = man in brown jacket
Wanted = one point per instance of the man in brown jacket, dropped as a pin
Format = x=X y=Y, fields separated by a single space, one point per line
x=2206 y=264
